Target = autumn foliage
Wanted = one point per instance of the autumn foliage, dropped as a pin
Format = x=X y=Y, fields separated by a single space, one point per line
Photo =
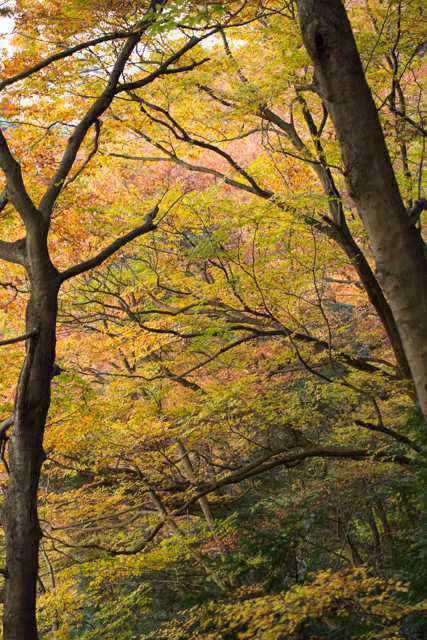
x=234 y=446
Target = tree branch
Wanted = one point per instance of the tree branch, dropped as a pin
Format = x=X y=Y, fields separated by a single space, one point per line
x=190 y=167
x=16 y=190
x=13 y=251
x=60 y=55
x=6 y=424
x=25 y=336
x=416 y=210
x=389 y=432
x=93 y=151
x=251 y=470
x=112 y=248
x=163 y=69
x=270 y=462
x=3 y=199
x=99 y=106
x=181 y=134
x=407 y=119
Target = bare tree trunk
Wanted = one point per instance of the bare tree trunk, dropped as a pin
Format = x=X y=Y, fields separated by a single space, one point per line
x=26 y=457
x=398 y=251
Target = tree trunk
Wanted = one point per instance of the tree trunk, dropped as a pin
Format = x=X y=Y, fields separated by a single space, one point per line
x=398 y=251
x=26 y=456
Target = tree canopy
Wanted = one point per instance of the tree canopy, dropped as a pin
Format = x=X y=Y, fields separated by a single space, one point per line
x=213 y=320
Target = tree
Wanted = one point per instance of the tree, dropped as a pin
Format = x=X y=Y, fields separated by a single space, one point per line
x=32 y=253
x=243 y=417
x=398 y=248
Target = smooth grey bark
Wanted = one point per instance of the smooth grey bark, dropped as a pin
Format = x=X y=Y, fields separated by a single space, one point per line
x=398 y=250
